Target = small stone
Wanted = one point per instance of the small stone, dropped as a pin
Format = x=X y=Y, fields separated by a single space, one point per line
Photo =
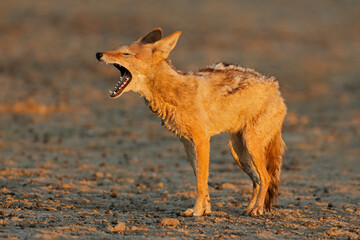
x=308 y=223
x=170 y=222
x=65 y=186
x=349 y=210
x=220 y=214
x=50 y=209
x=229 y=186
x=120 y=227
x=134 y=228
x=230 y=205
x=113 y=193
x=334 y=232
x=99 y=175
x=39 y=204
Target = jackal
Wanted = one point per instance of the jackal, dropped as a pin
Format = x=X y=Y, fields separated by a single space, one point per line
x=196 y=106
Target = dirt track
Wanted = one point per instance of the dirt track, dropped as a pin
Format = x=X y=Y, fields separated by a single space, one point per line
x=76 y=164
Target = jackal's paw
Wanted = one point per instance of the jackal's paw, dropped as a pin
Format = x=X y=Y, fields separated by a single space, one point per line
x=190 y=213
x=256 y=211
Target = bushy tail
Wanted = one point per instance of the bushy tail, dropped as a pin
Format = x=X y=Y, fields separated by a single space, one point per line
x=274 y=152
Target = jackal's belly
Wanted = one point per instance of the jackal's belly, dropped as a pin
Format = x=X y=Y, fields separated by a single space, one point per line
x=226 y=122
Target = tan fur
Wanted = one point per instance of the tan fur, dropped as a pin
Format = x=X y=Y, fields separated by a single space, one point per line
x=196 y=106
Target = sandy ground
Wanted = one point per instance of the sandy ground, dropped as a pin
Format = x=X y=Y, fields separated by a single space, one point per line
x=76 y=164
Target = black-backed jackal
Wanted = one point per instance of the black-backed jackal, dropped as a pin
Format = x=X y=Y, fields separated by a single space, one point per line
x=196 y=106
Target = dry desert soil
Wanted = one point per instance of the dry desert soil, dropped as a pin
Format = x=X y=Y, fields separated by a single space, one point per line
x=76 y=164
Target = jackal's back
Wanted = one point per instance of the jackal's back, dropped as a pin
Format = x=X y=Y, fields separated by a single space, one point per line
x=233 y=95
x=228 y=79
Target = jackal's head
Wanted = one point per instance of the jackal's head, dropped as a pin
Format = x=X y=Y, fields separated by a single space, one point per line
x=137 y=62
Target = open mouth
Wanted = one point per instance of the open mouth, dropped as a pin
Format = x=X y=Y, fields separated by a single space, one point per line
x=125 y=79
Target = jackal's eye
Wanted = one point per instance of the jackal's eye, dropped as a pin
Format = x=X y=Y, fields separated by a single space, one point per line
x=127 y=54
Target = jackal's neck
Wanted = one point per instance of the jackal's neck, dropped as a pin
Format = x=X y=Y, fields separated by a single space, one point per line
x=167 y=84
x=166 y=90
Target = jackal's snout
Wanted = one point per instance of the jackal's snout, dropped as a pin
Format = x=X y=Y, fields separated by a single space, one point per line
x=99 y=55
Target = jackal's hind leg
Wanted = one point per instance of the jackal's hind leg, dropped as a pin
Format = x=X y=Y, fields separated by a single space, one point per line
x=256 y=150
x=242 y=157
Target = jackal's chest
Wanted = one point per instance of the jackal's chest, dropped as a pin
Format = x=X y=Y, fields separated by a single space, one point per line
x=169 y=118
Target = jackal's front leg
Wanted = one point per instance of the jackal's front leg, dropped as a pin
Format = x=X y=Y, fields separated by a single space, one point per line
x=190 y=152
x=202 y=205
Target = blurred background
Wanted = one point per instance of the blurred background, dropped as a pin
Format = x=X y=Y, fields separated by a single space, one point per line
x=312 y=47
x=55 y=112
x=47 y=63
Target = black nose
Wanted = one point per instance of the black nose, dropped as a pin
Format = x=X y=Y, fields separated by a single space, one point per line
x=98 y=55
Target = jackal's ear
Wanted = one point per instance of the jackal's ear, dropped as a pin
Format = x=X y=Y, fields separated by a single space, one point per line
x=151 y=37
x=164 y=46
